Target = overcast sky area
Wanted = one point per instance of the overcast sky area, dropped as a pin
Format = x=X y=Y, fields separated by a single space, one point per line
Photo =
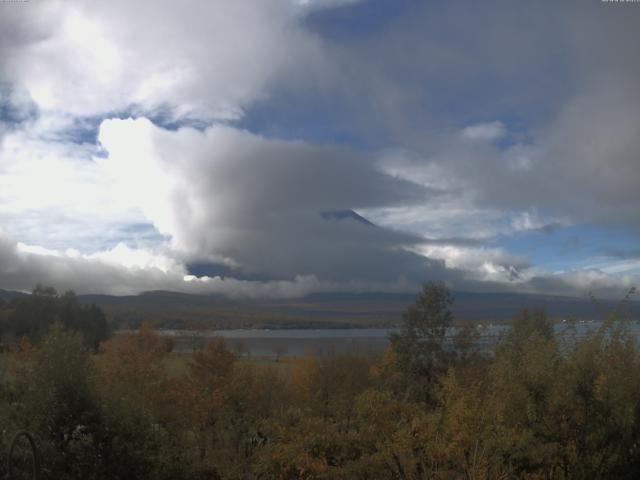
x=275 y=148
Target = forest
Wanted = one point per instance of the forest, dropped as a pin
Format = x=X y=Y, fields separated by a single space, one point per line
x=538 y=406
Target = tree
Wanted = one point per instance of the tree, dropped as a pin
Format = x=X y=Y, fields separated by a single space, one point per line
x=420 y=345
x=88 y=320
x=60 y=408
x=34 y=314
x=131 y=384
x=133 y=363
x=204 y=391
x=530 y=327
x=327 y=386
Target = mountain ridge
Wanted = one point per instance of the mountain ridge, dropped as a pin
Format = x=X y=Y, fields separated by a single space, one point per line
x=331 y=309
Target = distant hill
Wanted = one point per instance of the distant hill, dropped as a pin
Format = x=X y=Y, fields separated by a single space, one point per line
x=503 y=306
x=327 y=310
x=10 y=294
x=324 y=310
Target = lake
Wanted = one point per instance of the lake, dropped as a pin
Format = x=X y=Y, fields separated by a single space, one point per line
x=361 y=341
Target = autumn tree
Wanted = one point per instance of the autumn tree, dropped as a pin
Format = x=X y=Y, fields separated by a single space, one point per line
x=201 y=395
x=131 y=382
x=256 y=395
x=327 y=386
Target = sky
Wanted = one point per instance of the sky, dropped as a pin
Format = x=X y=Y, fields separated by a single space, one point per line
x=276 y=148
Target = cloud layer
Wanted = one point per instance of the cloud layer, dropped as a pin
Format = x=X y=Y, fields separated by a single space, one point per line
x=256 y=204
x=220 y=133
x=189 y=59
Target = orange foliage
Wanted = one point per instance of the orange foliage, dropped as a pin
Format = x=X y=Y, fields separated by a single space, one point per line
x=132 y=363
x=201 y=394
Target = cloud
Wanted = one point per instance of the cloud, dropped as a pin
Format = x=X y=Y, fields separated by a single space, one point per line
x=485 y=131
x=514 y=113
x=467 y=122
x=123 y=271
x=189 y=59
x=52 y=193
x=622 y=254
x=581 y=167
x=581 y=283
x=579 y=162
x=311 y=5
x=479 y=263
x=227 y=193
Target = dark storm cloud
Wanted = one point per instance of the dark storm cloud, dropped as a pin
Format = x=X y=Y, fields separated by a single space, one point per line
x=258 y=203
x=565 y=84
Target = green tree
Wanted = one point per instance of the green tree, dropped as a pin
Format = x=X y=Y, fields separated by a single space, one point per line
x=421 y=349
x=58 y=405
x=33 y=315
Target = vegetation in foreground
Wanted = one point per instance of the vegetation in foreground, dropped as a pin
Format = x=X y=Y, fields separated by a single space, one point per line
x=538 y=407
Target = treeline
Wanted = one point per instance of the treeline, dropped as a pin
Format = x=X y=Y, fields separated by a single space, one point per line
x=538 y=407
x=32 y=315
